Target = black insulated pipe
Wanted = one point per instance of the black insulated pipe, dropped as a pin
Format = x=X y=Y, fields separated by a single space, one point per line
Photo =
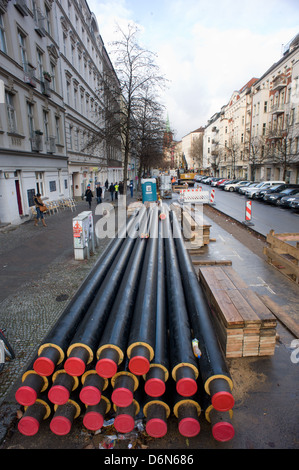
x=33 y=415
x=157 y=376
x=95 y=414
x=53 y=349
x=213 y=368
x=141 y=341
x=183 y=365
x=112 y=347
x=82 y=348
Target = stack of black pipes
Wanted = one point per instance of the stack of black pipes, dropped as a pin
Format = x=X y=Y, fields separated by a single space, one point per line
x=124 y=344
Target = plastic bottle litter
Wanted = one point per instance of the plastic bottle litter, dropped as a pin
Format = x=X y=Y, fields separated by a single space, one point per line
x=196 y=350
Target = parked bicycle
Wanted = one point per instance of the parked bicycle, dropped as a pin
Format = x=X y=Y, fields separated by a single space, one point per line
x=6 y=350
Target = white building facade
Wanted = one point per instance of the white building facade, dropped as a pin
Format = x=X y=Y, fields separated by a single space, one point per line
x=256 y=135
x=52 y=112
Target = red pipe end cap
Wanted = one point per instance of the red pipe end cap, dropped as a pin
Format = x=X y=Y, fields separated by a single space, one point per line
x=122 y=397
x=124 y=423
x=90 y=395
x=154 y=387
x=139 y=365
x=58 y=394
x=223 y=401
x=106 y=368
x=60 y=425
x=189 y=427
x=93 y=420
x=44 y=366
x=28 y=426
x=74 y=366
x=223 y=431
x=156 y=427
x=186 y=387
x=26 y=396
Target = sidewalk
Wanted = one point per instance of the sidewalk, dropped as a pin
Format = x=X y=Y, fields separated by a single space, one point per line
x=38 y=276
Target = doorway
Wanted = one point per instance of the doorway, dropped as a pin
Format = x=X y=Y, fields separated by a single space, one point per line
x=19 y=199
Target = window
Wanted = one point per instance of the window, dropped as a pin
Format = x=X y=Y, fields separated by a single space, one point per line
x=46 y=125
x=75 y=97
x=264 y=128
x=71 y=136
x=64 y=43
x=53 y=76
x=30 y=119
x=39 y=183
x=48 y=19
x=265 y=106
x=22 y=44
x=68 y=87
x=40 y=65
x=11 y=112
x=57 y=129
x=3 y=47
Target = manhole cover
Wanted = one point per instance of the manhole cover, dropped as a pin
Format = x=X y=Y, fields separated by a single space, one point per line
x=62 y=297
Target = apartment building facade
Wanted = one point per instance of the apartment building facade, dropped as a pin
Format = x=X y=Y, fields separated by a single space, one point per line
x=52 y=58
x=255 y=136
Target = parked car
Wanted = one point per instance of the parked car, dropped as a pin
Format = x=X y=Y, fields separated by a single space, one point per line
x=274 y=189
x=222 y=185
x=198 y=178
x=215 y=181
x=294 y=204
x=205 y=179
x=219 y=182
x=234 y=186
x=250 y=191
x=274 y=198
x=286 y=201
x=244 y=188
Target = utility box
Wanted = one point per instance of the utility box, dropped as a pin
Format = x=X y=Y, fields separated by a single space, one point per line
x=83 y=234
x=149 y=190
x=165 y=187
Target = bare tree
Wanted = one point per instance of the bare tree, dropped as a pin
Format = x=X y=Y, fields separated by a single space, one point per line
x=283 y=144
x=257 y=154
x=196 y=151
x=148 y=132
x=137 y=73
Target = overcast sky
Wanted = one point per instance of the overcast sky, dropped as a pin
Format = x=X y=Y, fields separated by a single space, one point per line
x=206 y=48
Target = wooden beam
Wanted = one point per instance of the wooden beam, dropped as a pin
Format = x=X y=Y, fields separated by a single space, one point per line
x=281 y=315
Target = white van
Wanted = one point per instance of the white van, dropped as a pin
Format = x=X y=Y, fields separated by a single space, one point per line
x=264 y=184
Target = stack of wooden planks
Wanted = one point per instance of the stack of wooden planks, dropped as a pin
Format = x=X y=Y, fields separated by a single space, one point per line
x=245 y=326
x=282 y=254
x=194 y=226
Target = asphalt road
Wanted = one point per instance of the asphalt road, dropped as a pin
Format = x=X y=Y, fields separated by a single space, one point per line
x=265 y=217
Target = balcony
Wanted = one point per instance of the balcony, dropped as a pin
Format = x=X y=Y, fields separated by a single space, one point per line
x=51 y=144
x=37 y=142
x=278 y=108
x=279 y=82
x=29 y=76
x=46 y=88
x=40 y=23
x=21 y=6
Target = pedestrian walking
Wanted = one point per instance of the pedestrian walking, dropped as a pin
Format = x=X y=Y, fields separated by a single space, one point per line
x=116 y=186
x=99 y=194
x=88 y=196
x=38 y=206
x=106 y=185
x=131 y=188
x=112 y=190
